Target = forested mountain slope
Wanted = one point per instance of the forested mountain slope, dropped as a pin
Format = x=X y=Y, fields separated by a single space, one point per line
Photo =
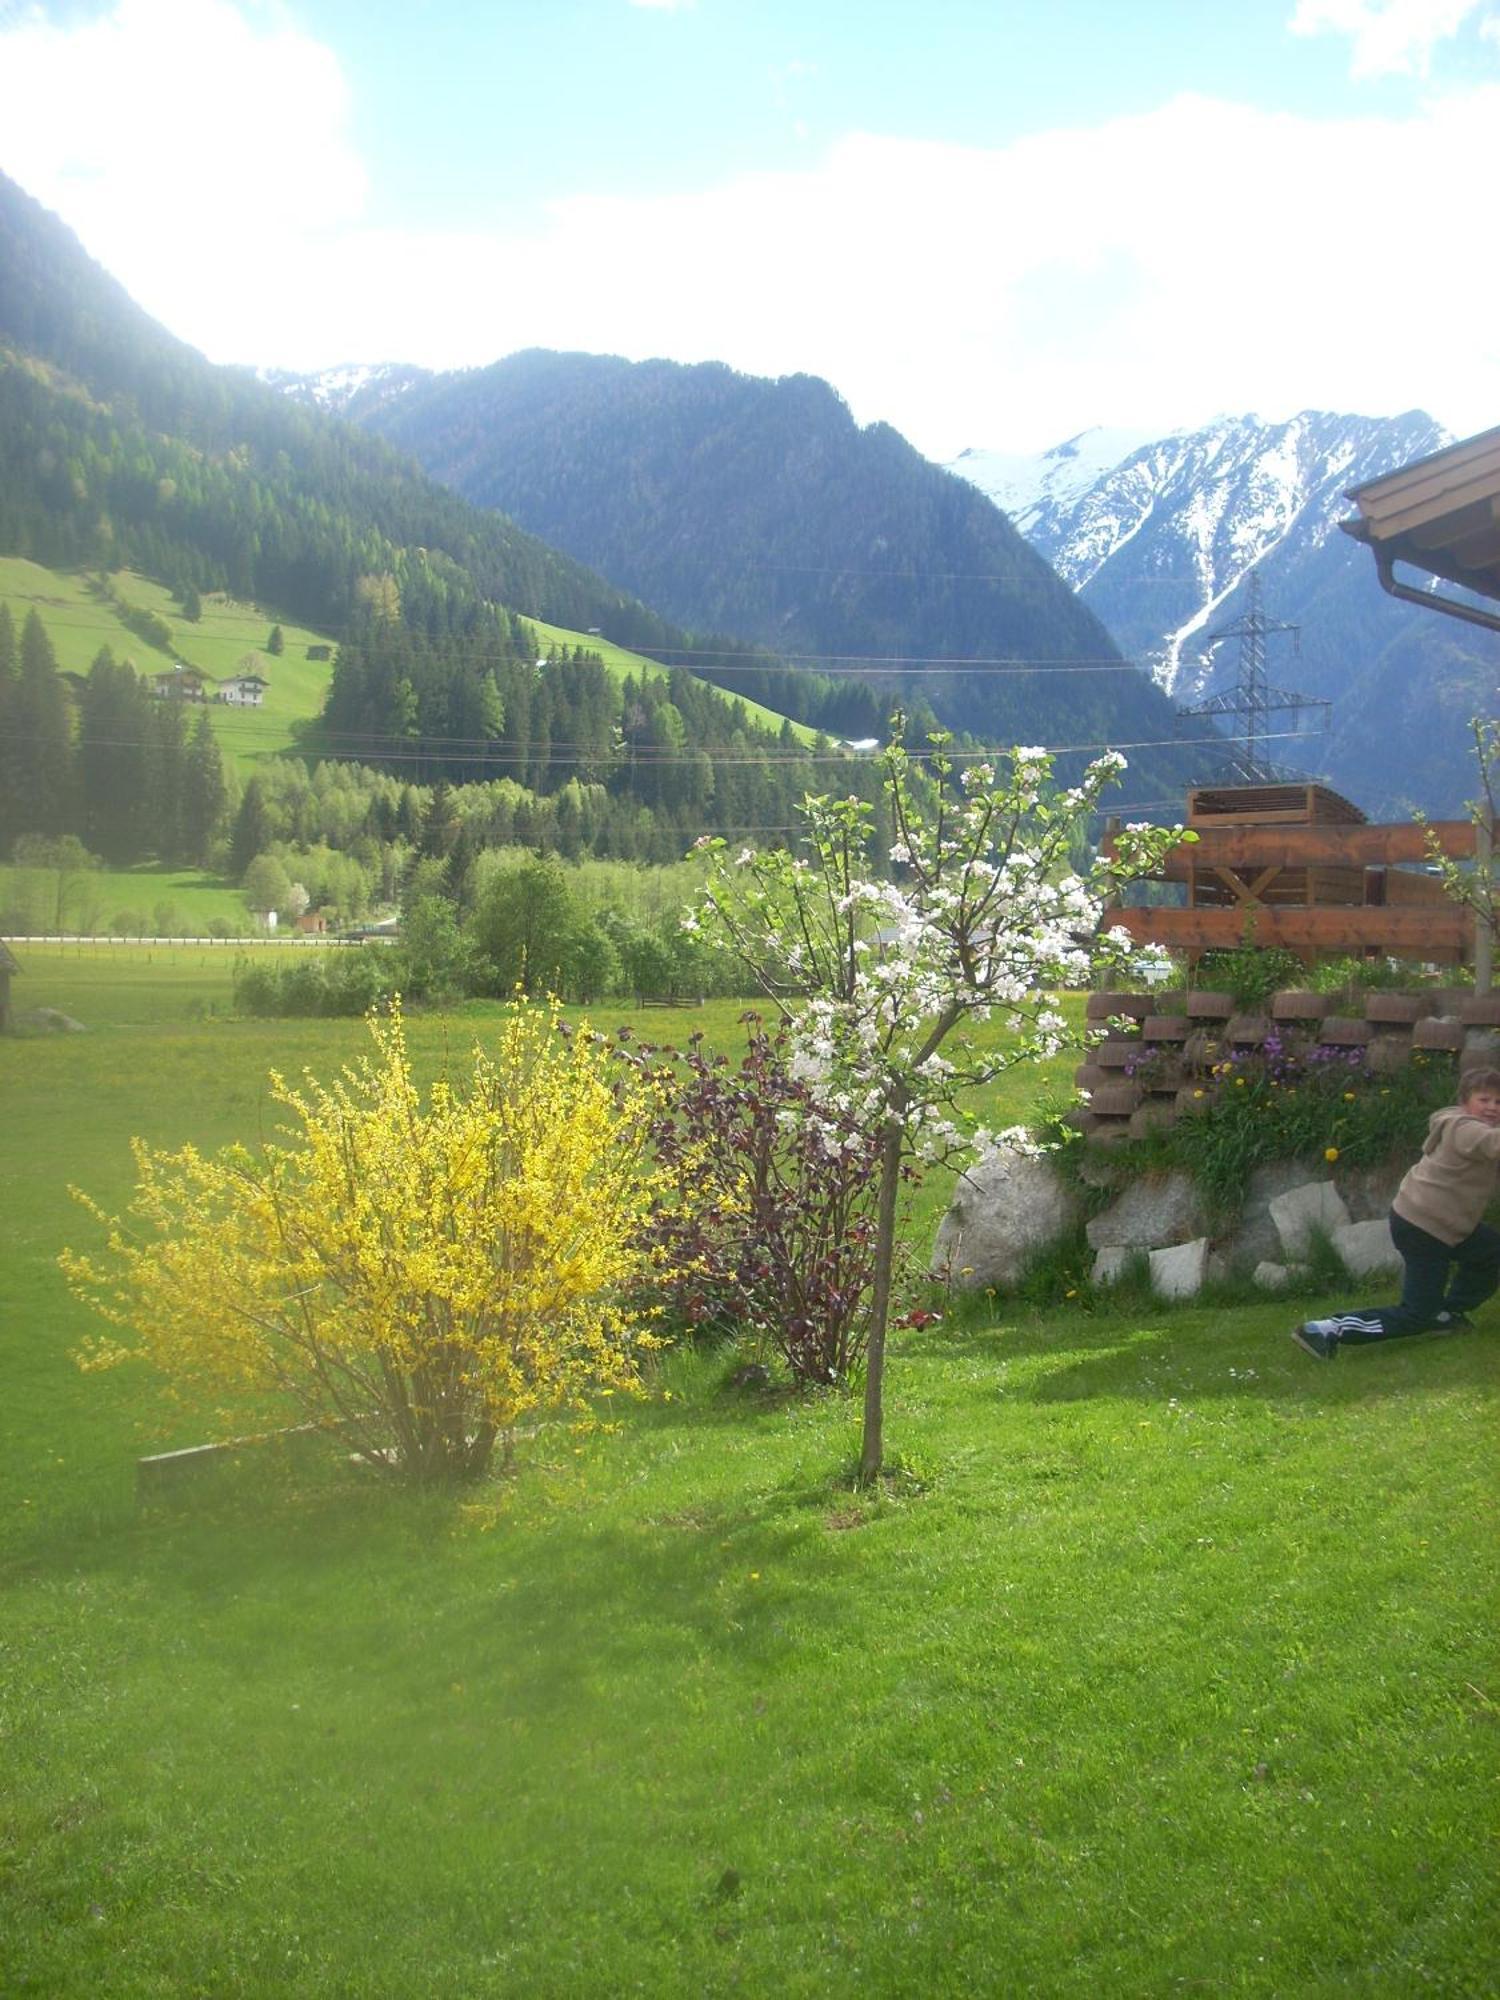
x=123 y=447
x=760 y=507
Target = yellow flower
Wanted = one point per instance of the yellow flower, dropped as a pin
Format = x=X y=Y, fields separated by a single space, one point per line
x=1330 y=1153
x=1197 y=1093
x=1348 y=1096
x=1239 y=1083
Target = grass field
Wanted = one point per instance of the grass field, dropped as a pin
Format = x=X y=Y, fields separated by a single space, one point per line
x=1165 y=1664
x=186 y=898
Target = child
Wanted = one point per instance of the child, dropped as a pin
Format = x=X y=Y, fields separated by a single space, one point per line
x=1435 y=1224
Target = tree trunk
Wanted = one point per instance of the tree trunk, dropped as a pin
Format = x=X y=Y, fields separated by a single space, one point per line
x=870 y=1457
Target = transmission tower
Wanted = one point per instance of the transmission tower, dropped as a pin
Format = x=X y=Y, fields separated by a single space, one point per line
x=1252 y=701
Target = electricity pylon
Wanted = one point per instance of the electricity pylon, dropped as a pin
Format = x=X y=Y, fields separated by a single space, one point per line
x=1252 y=701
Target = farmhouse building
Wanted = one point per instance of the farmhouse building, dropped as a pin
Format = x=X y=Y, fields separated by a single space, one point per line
x=244 y=690
x=181 y=683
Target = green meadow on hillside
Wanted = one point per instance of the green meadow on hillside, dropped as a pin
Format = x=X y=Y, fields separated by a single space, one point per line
x=80 y=621
x=1163 y=1663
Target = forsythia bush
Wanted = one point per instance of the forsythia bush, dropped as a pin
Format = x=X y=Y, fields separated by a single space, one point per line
x=427 y=1272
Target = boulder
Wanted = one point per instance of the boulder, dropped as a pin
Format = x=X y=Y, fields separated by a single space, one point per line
x=1366 y=1247
x=1254 y=1237
x=50 y=1021
x=1178 y=1271
x=1315 y=1205
x=1148 y=1213
x=1004 y=1210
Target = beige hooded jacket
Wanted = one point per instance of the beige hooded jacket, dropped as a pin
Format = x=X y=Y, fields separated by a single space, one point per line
x=1450 y=1187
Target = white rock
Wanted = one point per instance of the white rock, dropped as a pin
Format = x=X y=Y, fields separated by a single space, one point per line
x=1313 y=1206
x=1366 y=1247
x=1003 y=1212
x=1178 y=1271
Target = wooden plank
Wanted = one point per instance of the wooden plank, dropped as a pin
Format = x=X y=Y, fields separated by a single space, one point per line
x=1403 y=932
x=1313 y=846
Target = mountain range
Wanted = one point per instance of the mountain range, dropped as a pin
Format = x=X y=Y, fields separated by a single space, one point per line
x=734 y=503
x=1160 y=537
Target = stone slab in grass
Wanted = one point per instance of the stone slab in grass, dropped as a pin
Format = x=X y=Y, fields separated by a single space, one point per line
x=1109 y=1264
x=1296 y=1214
x=1366 y=1247
x=1178 y=1271
x=1273 y=1277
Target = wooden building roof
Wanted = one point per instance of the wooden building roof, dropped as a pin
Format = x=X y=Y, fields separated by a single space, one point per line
x=1271 y=805
x=1440 y=515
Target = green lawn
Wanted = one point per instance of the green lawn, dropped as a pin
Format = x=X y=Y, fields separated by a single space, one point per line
x=1166 y=1664
x=87 y=900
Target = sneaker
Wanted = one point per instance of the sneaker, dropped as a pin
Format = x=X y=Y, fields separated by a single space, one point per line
x=1320 y=1337
x=1452 y=1322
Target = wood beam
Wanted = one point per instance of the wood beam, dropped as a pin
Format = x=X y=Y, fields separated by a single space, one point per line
x=1315 y=846
x=1403 y=932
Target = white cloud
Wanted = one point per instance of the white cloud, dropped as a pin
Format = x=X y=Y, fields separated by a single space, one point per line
x=1150 y=271
x=175 y=133
x=1389 y=37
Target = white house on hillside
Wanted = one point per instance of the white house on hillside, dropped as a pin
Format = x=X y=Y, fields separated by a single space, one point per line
x=244 y=690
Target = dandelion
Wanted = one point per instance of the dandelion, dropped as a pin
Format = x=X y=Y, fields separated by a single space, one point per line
x=1330 y=1154
x=1348 y=1096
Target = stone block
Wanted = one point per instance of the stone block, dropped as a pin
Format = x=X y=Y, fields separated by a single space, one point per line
x=1178 y=1270
x=1314 y=1205
x=1116 y=1053
x=1155 y=1115
x=1295 y=1005
x=1401 y=1007
x=1103 y=1006
x=1389 y=1053
x=1115 y=1099
x=1344 y=1031
x=1148 y=1212
x=1449 y=999
x=1203 y=1006
x=1481 y=1049
x=1480 y=1010
x=1248 y=1029
x=1202 y=1048
x=1194 y=1099
x=1366 y=1247
x=1089 y=1076
x=1165 y=1028
x=1438 y=1033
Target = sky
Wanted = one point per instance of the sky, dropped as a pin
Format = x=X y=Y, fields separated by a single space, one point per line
x=989 y=223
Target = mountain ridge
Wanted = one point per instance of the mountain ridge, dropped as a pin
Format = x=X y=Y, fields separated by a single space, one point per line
x=1162 y=543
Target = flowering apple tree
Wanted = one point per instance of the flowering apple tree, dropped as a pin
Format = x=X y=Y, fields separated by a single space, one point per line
x=883 y=978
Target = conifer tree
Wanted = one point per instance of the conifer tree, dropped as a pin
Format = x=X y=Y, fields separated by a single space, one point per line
x=36 y=751
x=253 y=832
x=204 y=793
x=115 y=731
